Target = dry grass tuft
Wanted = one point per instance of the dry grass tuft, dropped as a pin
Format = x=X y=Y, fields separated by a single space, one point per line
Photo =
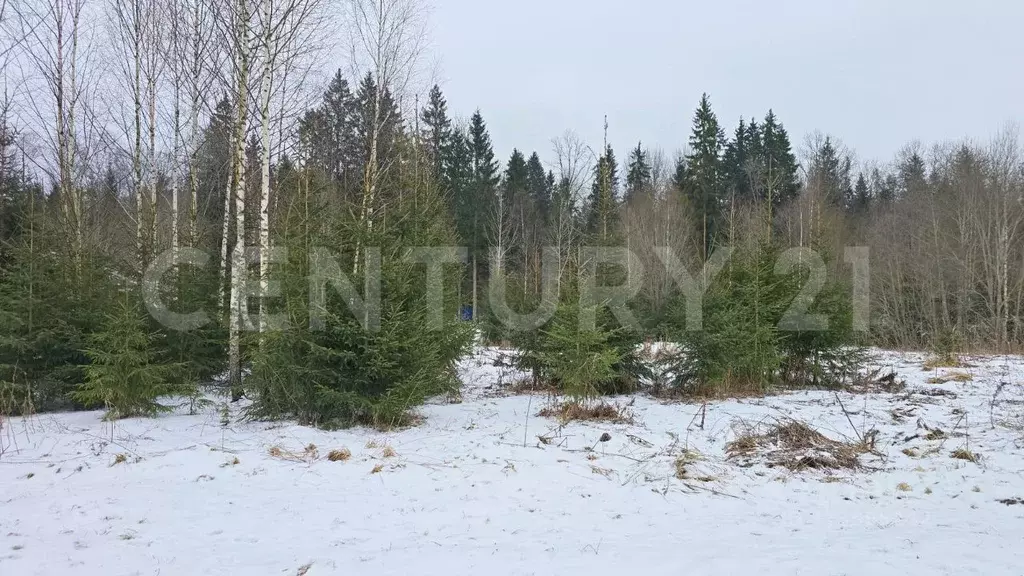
x=683 y=460
x=943 y=361
x=532 y=386
x=119 y=459
x=377 y=468
x=903 y=487
x=965 y=454
x=796 y=446
x=577 y=411
x=308 y=454
x=951 y=377
x=388 y=452
x=912 y=452
x=339 y=455
x=875 y=382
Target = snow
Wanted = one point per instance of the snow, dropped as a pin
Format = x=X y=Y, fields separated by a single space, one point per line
x=474 y=490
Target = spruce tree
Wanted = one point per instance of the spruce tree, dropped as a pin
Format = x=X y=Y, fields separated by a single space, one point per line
x=539 y=186
x=123 y=374
x=437 y=129
x=830 y=173
x=515 y=181
x=912 y=175
x=604 y=198
x=861 y=195
x=638 y=173
x=735 y=164
x=703 y=183
x=777 y=162
x=476 y=205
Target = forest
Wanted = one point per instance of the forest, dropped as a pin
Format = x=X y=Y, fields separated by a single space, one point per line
x=200 y=140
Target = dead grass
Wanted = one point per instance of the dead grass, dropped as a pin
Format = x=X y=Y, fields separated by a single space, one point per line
x=944 y=361
x=903 y=487
x=531 y=386
x=308 y=454
x=570 y=411
x=796 y=446
x=955 y=376
x=119 y=459
x=685 y=459
x=339 y=455
x=388 y=452
x=965 y=454
x=875 y=382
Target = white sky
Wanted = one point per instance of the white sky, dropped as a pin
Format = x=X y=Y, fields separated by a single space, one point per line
x=875 y=73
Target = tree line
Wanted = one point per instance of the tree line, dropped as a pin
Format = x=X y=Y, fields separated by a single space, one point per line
x=144 y=129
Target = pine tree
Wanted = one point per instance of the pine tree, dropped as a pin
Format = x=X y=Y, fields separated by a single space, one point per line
x=638 y=173
x=123 y=374
x=703 y=184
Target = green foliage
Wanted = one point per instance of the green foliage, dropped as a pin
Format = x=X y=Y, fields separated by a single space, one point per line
x=339 y=373
x=48 y=306
x=581 y=362
x=737 y=343
x=123 y=375
x=199 y=353
x=746 y=341
x=703 y=175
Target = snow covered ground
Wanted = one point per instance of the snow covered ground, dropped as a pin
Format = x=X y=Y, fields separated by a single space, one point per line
x=487 y=487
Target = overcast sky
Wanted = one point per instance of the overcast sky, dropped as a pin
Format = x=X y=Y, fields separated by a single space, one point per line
x=875 y=73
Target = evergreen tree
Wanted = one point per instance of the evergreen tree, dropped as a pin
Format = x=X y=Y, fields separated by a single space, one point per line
x=703 y=183
x=638 y=173
x=387 y=125
x=516 y=178
x=476 y=204
x=830 y=173
x=735 y=164
x=538 y=185
x=861 y=195
x=883 y=186
x=777 y=162
x=912 y=175
x=604 y=197
x=437 y=130
x=123 y=374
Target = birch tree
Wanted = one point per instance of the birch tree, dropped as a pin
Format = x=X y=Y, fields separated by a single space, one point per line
x=56 y=53
x=387 y=41
x=239 y=24
x=289 y=31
